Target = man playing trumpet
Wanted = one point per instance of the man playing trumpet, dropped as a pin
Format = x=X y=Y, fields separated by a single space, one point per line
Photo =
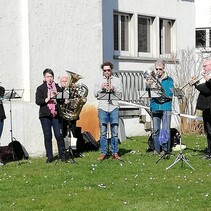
x=108 y=109
x=204 y=103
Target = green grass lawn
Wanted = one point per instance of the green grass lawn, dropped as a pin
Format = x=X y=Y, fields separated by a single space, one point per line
x=138 y=183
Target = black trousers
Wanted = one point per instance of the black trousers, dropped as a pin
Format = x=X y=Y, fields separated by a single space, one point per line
x=206 y=114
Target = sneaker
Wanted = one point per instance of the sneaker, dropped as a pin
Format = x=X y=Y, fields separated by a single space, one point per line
x=156 y=152
x=177 y=147
x=63 y=158
x=206 y=157
x=116 y=157
x=1 y=164
x=101 y=157
x=167 y=156
x=49 y=160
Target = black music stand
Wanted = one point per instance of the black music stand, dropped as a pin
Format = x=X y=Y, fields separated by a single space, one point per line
x=178 y=92
x=65 y=94
x=149 y=94
x=9 y=95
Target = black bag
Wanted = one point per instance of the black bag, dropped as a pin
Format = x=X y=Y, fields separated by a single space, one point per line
x=19 y=151
x=90 y=142
x=6 y=154
x=13 y=152
x=175 y=139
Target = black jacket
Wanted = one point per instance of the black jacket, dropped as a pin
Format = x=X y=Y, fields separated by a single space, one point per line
x=40 y=96
x=2 y=112
x=204 y=98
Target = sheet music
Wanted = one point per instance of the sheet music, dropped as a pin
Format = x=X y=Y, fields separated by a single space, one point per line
x=145 y=94
x=13 y=93
x=108 y=96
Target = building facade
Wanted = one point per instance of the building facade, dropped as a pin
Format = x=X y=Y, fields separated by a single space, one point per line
x=78 y=35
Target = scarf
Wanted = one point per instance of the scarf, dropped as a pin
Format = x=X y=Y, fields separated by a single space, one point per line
x=52 y=103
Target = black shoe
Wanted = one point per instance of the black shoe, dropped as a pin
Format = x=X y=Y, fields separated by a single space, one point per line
x=167 y=156
x=206 y=157
x=63 y=158
x=49 y=160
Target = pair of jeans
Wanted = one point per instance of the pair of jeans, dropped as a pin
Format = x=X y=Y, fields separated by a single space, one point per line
x=157 y=119
x=47 y=124
x=207 y=128
x=105 y=118
x=1 y=126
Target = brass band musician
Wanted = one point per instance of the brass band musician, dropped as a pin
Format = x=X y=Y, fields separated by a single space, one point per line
x=204 y=103
x=108 y=110
x=161 y=108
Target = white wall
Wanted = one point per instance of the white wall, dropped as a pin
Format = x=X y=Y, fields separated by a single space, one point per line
x=203 y=13
x=63 y=35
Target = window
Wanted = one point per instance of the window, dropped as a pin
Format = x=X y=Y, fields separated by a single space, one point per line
x=203 y=38
x=210 y=38
x=121 y=24
x=166 y=36
x=144 y=33
x=200 y=38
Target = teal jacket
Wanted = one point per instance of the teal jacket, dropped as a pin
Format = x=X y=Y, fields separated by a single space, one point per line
x=163 y=103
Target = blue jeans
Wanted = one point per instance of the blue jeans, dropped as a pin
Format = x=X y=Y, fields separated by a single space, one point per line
x=157 y=118
x=112 y=118
x=1 y=126
x=47 y=124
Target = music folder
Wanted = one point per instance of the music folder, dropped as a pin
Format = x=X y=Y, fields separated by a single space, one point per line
x=108 y=96
x=61 y=95
x=149 y=94
x=13 y=93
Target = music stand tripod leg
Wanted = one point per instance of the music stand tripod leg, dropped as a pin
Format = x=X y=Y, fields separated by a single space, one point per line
x=180 y=156
x=70 y=150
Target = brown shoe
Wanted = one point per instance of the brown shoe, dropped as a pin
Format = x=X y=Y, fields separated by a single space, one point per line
x=116 y=157
x=101 y=157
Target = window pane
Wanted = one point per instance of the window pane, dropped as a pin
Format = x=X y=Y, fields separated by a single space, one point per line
x=124 y=33
x=116 y=26
x=200 y=38
x=210 y=38
x=165 y=36
x=161 y=37
x=168 y=25
x=143 y=34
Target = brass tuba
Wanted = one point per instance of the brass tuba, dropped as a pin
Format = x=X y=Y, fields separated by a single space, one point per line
x=77 y=93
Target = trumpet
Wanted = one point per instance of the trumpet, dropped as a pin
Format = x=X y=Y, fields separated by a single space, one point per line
x=195 y=80
x=108 y=87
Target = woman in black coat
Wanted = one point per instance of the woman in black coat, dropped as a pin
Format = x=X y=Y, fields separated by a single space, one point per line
x=48 y=115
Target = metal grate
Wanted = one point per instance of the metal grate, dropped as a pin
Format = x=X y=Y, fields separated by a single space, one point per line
x=133 y=82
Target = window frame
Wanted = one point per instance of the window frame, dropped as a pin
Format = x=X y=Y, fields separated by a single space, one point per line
x=162 y=36
x=120 y=51
x=151 y=24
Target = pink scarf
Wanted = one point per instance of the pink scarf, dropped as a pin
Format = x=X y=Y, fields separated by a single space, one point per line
x=52 y=103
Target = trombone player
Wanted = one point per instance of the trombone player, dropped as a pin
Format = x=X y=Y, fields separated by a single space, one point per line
x=204 y=102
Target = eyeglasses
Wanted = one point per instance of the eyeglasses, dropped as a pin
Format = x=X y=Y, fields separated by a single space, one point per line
x=107 y=70
x=206 y=65
x=159 y=68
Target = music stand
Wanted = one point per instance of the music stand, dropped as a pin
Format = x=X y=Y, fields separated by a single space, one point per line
x=65 y=94
x=9 y=95
x=179 y=94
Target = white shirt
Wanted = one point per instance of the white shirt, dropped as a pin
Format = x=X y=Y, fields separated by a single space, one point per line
x=105 y=103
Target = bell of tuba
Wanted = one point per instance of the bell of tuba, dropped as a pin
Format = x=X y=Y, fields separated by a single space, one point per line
x=71 y=107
